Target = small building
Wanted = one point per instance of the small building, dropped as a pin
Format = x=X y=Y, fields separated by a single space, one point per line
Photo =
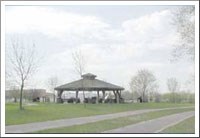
x=89 y=83
x=32 y=95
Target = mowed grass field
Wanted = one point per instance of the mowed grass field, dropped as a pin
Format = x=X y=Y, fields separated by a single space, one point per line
x=186 y=126
x=53 y=111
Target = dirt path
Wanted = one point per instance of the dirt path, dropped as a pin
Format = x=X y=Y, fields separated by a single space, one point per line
x=153 y=126
x=31 y=127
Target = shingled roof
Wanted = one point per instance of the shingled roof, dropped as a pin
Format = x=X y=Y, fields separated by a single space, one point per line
x=88 y=83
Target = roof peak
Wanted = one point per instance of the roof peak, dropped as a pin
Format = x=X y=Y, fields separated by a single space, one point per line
x=88 y=76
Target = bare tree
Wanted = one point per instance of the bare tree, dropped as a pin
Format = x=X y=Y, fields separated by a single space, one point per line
x=127 y=95
x=13 y=92
x=52 y=83
x=79 y=66
x=157 y=97
x=143 y=83
x=173 y=87
x=23 y=63
x=184 y=21
x=153 y=93
x=79 y=62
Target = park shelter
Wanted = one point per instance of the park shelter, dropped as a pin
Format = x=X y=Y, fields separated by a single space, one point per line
x=89 y=83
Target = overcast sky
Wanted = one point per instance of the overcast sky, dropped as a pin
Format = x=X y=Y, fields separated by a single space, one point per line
x=116 y=41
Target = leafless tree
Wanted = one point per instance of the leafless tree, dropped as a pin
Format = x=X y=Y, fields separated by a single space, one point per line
x=143 y=83
x=79 y=66
x=23 y=63
x=79 y=62
x=127 y=95
x=13 y=92
x=173 y=87
x=172 y=84
x=52 y=83
x=153 y=93
x=184 y=21
x=157 y=97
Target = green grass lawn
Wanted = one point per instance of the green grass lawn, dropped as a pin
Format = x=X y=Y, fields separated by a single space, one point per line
x=100 y=126
x=51 y=111
x=186 y=126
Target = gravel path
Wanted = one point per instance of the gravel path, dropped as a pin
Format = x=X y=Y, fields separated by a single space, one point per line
x=31 y=127
x=153 y=126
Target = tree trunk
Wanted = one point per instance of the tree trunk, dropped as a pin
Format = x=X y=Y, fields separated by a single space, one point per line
x=83 y=92
x=143 y=97
x=21 y=90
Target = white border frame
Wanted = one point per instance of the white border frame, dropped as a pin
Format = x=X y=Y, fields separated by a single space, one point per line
x=4 y=3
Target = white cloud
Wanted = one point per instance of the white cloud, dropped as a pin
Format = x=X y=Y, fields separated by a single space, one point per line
x=153 y=23
x=150 y=31
x=51 y=22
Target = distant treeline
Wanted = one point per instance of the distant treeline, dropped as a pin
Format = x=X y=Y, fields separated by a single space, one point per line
x=176 y=97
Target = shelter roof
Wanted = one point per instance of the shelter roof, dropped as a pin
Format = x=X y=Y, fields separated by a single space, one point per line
x=88 y=83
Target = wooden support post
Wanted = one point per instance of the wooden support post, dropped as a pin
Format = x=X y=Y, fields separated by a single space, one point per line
x=97 y=97
x=114 y=94
x=59 y=94
x=103 y=96
x=76 y=96
x=120 y=94
x=117 y=93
